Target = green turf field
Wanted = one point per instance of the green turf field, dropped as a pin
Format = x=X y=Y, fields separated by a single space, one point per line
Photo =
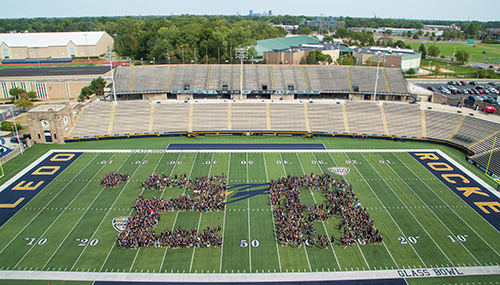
x=447 y=49
x=418 y=215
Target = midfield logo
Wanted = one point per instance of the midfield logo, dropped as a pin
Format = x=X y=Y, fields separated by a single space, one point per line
x=339 y=170
x=245 y=191
x=120 y=223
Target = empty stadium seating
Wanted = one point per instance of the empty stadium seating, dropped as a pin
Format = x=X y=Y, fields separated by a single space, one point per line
x=365 y=118
x=404 y=119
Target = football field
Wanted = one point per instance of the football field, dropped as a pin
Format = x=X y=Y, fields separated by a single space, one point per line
x=429 y=226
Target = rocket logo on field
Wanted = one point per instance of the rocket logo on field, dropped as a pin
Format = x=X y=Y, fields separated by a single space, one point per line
x=120 y=223
x=339 y=170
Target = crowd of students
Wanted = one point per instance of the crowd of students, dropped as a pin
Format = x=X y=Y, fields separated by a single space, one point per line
x=293 y=228
x=114 y=179
x=208 y=195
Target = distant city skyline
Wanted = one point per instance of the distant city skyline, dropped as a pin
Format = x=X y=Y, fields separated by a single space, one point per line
x=457 y=10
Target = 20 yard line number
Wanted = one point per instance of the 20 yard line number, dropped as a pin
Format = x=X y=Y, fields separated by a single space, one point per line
x=244 y=243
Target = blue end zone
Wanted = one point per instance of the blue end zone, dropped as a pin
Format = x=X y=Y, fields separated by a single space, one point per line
x=22 y=190
x=395 y=281
x=470 y=191
x=246 y=146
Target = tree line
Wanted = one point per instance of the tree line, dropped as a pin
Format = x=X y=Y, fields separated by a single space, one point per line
x=213 y=39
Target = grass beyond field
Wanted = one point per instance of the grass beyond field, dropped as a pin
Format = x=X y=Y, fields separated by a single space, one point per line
x=418 y=216
x=447 y=49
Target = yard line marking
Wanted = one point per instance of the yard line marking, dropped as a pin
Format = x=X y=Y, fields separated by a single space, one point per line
x=154 y=171
x=201 y=213
x=272 y=214
x=401 y=231
x=81 y=217
x=322 y=222
x=103 y=219
x=248 y=206
x=194 y=247
x=62 y=189
x=177 y=214
x=449 y=207
x=411 y=189
x=307 y=255
x=409 y=211
x=113 y=245
x=77 y=195
x=224 y=222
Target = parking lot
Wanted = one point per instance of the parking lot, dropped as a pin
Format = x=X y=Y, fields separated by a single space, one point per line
x=470 y=90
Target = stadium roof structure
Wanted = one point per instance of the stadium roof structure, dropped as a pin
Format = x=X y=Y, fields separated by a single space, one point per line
x=50 y=39
x=284 y=43
x=53 y=71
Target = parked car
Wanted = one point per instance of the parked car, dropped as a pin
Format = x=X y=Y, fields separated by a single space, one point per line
x=431 y=88
x=492 y=83
x=463 y=83
x=473 y=83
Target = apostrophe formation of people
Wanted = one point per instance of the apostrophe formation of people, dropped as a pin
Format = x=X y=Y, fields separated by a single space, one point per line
x=113 y=179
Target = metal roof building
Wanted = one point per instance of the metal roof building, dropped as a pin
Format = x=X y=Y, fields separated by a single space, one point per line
x=281 y=44
x=29 y=46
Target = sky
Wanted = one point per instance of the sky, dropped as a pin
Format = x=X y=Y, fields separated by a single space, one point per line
x=463 y=10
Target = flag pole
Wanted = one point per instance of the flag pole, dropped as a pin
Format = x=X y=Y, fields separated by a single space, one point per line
x=17 y=134
x=491 y=153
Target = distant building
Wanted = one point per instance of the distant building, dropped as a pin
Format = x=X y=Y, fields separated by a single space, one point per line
x=250 y=13
x=291 y=50
x=51 y=83
x=323 y=24
x=30 y=46
x=392 y=57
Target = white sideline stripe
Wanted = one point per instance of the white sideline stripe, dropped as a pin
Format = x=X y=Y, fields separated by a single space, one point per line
x=245 y=150
x=238 y=277
x=25 y=170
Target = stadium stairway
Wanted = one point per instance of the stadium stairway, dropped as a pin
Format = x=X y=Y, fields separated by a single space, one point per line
x=455 y=131
x=171 y=78
x=424 y=125
x=387 y=81
x=344 y=115
x=384 y=120
x=111 y=120
x=132 y=79
x=229 y=116
x=304 y=77
x=306 y=117
x=151 y=118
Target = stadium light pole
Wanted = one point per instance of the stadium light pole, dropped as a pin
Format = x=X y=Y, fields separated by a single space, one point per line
x=241 y=54
x=110 y=57
x=380 y=57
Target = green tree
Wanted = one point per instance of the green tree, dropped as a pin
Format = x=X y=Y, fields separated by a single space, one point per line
x=16 y=93
x=305 y=31
x=462 y=56
x=411 y=71
x=23 y=102
x=346 y=60
x=85 y=92
x=315 y=56
x=423 y=51
x=328 y=38
x=7 y=126
x=437 y=69
x=433 y=51
x=415 y=36
x=31 y=95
